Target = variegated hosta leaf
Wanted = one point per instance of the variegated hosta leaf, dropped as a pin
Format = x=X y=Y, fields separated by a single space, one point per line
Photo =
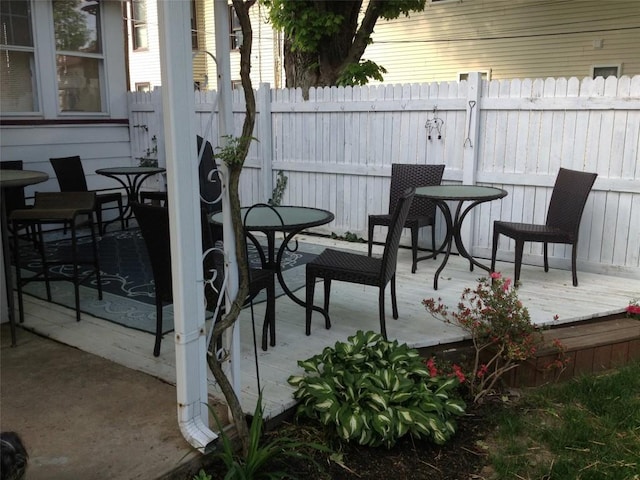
x=309 y=365
x=457 y=407
x=378 y=401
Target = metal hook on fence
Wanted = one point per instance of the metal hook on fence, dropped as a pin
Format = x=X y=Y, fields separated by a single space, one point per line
x=434 y=123
x=472 y=104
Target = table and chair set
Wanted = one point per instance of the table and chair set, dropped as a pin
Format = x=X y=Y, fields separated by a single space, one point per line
x=416 y=191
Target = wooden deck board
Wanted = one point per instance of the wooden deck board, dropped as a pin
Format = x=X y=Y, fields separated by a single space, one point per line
x=352 y=307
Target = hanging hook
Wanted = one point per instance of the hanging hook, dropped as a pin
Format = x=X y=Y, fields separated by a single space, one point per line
x=472 y=104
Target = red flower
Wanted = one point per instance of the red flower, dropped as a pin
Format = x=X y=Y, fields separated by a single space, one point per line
x=458 y=373
x=495 y=275
x=431 y=365
x=482 y=371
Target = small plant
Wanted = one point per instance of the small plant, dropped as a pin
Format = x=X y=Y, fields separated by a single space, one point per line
x=232 y=152
x=633 y=309
x=278 y=191
x=372 y=391
x=500 y=328
x=261 y=457
x=348 y=237
x=150 y=158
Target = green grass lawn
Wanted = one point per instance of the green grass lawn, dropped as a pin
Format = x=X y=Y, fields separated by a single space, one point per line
x=586 y=428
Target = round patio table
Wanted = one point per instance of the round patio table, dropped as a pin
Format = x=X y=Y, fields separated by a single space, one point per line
x=13 y=178
x=132 y=179
x=291 y=220
x=440 y=194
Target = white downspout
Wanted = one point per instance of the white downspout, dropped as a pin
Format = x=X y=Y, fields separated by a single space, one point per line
x=184 y=218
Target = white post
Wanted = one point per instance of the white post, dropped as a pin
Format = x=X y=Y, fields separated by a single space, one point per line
x=265 y=145
x=184 y=217
x=225 y=127
x=470 y=159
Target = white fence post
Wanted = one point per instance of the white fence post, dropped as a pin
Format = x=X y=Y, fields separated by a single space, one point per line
x=471 y=149
x=265 y=146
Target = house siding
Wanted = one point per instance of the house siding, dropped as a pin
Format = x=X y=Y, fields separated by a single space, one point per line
x=512 y=38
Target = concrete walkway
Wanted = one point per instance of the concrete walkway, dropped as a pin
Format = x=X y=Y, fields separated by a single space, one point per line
x=81 y=416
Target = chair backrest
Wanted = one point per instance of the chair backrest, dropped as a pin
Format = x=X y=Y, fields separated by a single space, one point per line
x=210 y=184
x=409 y=175
x=69 y=173
x=568 y=199
x=154 y=225
x=13 y=196
x=392 y=243
x=57 y=202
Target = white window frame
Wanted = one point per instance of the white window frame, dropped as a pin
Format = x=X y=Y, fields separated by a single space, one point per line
x=35 y=85
x=617 y=66
x=45 y=55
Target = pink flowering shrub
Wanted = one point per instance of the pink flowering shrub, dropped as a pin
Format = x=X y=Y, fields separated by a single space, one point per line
x=633 y=310
x=500 y=328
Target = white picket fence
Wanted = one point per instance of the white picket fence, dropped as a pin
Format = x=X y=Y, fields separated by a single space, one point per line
x=336 y=149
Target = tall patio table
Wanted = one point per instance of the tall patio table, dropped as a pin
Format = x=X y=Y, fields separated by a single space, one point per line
x=290 y=220
x=440 y=194
x=132 y=179
x=13 y=178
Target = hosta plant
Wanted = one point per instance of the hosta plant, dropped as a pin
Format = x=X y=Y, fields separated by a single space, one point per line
x=373 y=391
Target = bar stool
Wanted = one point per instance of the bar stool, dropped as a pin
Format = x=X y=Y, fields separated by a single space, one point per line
x=62 y=208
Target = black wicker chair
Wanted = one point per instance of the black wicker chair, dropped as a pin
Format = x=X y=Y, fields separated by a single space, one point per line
x=71 y=178
x=422 y=212
x=154 y=225
x=61 y=208
x=564 y=213
x=356 y=268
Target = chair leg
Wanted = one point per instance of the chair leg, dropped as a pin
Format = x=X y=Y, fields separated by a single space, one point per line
x=101 y=228
x=394 y=301
x=574 y=259
x=121 y=212
x=494 y=249
x=43 y=259
x=311 y=286
x=546 y=256
x=96 y=260
x=76 y=274
x=383 y=325
x=16 y=250
x=370 y=239
x=414 y=248
x=519 y=250
x=327 y=294
x=156 y=346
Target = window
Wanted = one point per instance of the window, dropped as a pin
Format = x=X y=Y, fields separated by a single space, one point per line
x=17 y=68
x=235 y=30
x=605 y=71
x=194 y=26
x=139 y=31
x=79 y=59
x=484 y=74
x=143 y=87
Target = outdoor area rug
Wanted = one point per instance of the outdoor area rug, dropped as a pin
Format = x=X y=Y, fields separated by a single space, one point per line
x=127 y=278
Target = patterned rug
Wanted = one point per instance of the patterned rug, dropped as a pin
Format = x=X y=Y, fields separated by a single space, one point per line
x=127 y=278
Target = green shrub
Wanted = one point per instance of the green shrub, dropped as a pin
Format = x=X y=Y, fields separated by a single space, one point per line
x=373 y=392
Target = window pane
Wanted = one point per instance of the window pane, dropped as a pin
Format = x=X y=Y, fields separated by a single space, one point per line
x=78 y=84
x=77 y=25
x=139 y=24
x=15 y=21
x=17 y=75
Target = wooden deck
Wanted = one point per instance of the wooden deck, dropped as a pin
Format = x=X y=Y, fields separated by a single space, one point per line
x=353 y=307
